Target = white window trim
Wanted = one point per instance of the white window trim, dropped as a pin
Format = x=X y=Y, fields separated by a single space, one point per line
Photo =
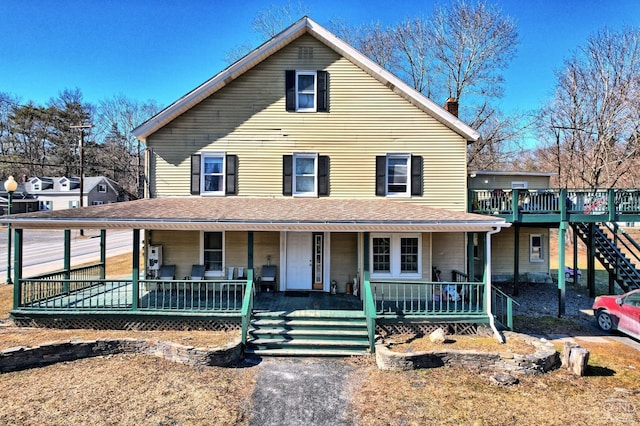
x=214 y=274
x=313 y=193
x=407 y=192
x=102 y=188
x=519 y=184
x=315 y=91
x=394 y=260
x=221 y=155
x=533 y=259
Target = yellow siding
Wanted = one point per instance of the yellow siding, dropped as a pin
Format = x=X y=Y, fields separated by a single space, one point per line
x=178 y=248
x=449 y=253
x=366 y=118
x=503 y=249
x=344 y=258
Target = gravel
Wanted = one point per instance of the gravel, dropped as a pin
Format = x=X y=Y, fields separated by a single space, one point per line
x=540 y=299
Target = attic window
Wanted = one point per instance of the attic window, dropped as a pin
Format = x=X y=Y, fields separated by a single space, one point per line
x=306 y=91
x=305 y=53
x=102 y=188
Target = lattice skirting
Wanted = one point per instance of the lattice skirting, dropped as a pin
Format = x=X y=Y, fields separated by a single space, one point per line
x=138 y=324
x=389 y=329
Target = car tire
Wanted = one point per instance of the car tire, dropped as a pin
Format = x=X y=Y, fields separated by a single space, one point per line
x=605 y=322
x=567 y=275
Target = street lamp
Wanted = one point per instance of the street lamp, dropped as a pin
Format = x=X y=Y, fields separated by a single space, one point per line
x=10 y=185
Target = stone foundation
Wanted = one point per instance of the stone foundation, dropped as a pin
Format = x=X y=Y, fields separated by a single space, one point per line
x=544 y=359
x=20 y=358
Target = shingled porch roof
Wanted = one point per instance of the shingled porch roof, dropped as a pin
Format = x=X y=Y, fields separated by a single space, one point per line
x=260 y=214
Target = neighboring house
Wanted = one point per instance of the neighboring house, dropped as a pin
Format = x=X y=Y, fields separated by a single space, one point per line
x=58 y=193
x=21 y=200
x=304 y=163
x=531 y=243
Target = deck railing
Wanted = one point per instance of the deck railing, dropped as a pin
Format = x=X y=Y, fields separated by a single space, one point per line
x=369 y=307
x=219 y=296
x=394 y=298
x=503 y=201
x=502 y=307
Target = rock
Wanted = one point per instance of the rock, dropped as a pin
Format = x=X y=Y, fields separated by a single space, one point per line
x=504 y=379
x=438 y=336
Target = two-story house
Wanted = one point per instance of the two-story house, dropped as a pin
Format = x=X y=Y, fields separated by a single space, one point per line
x=303 y=164
x=55 y=193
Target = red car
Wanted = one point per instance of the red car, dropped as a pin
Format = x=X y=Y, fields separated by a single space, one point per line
x=620 y=312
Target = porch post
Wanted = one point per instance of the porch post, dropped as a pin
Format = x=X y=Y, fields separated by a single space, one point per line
x=591 y=263
x=562 y=230
x=250 y=250
x=135 y=270
x=103 y=253
x=488 y=289
x=470 y=258
x=17 y=267
x=575 y=254
x=516 y=260
x=67 y=260
x=365 y=248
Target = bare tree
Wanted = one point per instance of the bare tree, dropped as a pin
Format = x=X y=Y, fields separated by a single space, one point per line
x=123 y=157
x=275 y=18
x=592 y=124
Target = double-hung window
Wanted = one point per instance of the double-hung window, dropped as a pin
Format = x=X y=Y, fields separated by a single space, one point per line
x=398 y=172
x=102 y=188
x=213 y=173
x=305 y=182
x=396 y=256
x=536 y=248
x=306 y=91
x=398 y=175
x=213 y=246
x=305 y=174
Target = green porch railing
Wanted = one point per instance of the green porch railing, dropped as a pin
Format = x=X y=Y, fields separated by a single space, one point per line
x=369 y=307
x=605 y=202
x=502 y=308
x=426 y=298
x=220 y=296
x=247 y=307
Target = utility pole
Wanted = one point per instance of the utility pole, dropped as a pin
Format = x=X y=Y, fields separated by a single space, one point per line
x=81 y=152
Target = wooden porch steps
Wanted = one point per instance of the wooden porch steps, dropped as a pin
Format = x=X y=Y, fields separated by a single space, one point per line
x=308 y=333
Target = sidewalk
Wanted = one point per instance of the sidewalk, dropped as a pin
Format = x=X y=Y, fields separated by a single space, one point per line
x=301 y=391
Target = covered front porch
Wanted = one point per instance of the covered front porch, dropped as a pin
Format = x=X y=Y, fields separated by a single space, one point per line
x=234 y=301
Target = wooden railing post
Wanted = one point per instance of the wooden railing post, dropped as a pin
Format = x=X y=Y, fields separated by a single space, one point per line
x=247 y=306
x=17 y=267
x=135 y=271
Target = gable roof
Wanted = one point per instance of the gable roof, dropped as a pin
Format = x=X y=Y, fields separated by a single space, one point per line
x=301 y=27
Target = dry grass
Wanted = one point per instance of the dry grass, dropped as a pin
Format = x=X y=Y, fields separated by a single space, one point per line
x=126 y=390
x=609 y=395
x=419 y=343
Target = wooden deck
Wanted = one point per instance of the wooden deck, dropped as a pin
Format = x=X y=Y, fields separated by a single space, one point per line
x=309 y=300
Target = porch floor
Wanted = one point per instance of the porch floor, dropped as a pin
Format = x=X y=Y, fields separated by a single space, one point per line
x=310 y=300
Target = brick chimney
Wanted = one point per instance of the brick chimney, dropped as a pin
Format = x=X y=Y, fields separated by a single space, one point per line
x=451 y=105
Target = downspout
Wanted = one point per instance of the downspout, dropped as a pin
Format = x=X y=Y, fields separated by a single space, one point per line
x=487 y=268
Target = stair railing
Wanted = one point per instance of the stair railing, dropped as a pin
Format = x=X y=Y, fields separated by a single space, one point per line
x=626 y=241
x=369 y=307
x=247 y=306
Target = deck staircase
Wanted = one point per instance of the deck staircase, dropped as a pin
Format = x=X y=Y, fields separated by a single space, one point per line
x=308 y=333
x=609 y=254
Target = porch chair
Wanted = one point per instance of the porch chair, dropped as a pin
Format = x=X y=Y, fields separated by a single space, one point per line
x=197 y=272
x=167 y=273
x=268 y=278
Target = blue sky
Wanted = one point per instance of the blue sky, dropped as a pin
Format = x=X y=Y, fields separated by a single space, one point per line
x=160 y=49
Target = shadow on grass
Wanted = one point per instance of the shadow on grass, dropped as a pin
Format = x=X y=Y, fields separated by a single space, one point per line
x=595 y=371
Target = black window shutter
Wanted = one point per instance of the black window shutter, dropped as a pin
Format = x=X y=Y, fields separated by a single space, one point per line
x=416 y=175
x=323 y=175
x=231 y=180
x=287 y=174
x=322 y=104
x=195 y=174
x=381 y=175
x=290 y=89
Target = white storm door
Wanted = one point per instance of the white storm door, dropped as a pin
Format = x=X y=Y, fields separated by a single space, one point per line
x=299 y=260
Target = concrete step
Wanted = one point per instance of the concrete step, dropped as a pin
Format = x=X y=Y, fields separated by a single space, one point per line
x=307 y=352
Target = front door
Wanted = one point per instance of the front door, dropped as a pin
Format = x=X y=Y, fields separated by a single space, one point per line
x=299 y=260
